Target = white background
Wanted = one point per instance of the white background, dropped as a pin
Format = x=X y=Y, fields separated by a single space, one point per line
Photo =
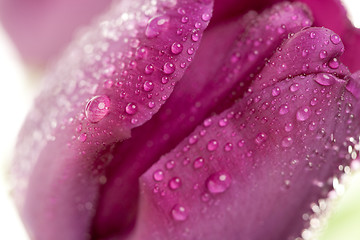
x=16 y=94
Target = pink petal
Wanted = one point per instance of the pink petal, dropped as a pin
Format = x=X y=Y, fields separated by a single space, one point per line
x=258 y=166
x=201 y=91
x=101 y=89
x=41 y=29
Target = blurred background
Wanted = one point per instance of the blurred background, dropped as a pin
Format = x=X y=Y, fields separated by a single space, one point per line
x=19 y=86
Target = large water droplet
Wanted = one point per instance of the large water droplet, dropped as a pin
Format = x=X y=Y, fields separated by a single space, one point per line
x=260 y=138
x=174 y=183
x=335 y=39
x=176 y=48
x=324 y=79
x=303 y=113
x=82 y=137
x=148 y=86
x=334 y=63
x=276 y=91
x=149 y=69
x=156 y=25
x=158 y=175
x=97 y=108
x=212 y=145
x=323 y=54
x=131 y=108
x=179 y=213
x=169 y=68
x=198 y=163
x=218 y=182
x=284 y=109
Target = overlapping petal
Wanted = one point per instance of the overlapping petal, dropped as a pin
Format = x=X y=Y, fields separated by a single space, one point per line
x=108 y=83
x=258 y=164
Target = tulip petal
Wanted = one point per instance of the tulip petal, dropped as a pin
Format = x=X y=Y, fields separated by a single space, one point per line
x=254 y=175
x=40 y=29
x=334 y=16
x=106 y=84
x=201 y=91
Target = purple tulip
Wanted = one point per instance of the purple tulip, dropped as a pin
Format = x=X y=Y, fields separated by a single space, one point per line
x=151 y=127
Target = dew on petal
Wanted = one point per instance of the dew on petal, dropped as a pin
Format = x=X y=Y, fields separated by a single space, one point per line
x=176 y=48
x=334 y=63
x=179 y=213
x=97 y=108
x=158 y=175
x=335 y=39
x=174 y=183
x=212 y=145
x=198 y=163
x=303 y=114
x=131 y=108
x=169 y=68
x=156 y=25
x=218 y=182
x=148 y=86
x=284 y=109
x=324 y=79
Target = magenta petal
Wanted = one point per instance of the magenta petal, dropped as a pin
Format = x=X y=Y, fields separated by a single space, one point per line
x=334 y=16
x=201 y=91
x=41 y=29
x=255 y=168
x=108 y=83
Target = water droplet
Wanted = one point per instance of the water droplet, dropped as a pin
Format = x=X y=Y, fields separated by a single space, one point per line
x=284 y=109
x=82 y=137
x=241 y=143
x=287 y=142
x=149 y=69
x=176 y=48
x=164 y=80
x=156 y=25
x=312 y=35
x=205 y=17
x=193 y=139
x=335 y=39
x=324 y=79
x=184 y=19
x=228 y=147
x=212 y=145
x=303 y=113
x=170 y=164
x=334 y=63
x=207 y=122
x=169 y=68
x=260 y=138
x=131 y=108
x=179 y=213
x=276 y=92
x=158 y=175
x=97 y=108
x=190 y=51
x=323 y=54
x=294 y=87
x=198 y=163
x=174 y=183
x=218 y=182
x=195 y=36
x=313 y=101
x=148 y=86
x=223 y=122
x=289 y=127
x=312 y=126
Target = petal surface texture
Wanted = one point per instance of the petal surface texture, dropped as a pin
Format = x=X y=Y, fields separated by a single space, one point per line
x=203 y=90
x=107 y=83
x=256 y=167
